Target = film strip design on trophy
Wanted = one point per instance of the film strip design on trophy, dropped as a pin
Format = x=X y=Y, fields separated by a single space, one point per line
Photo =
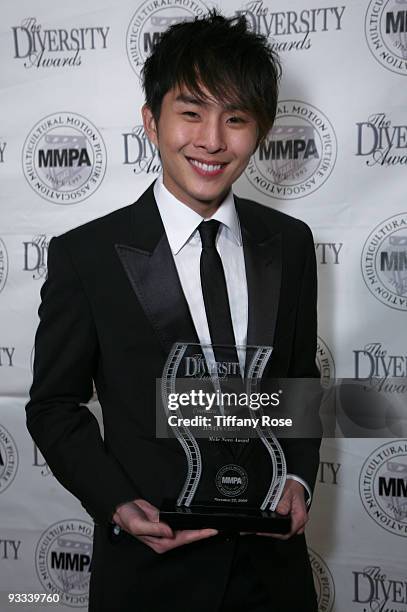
x=265 y=433
x=182 y=433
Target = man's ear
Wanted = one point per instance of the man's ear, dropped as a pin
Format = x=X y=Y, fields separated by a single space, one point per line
x=150 y=126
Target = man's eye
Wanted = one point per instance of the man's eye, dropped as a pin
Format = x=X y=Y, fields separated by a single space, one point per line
x=190 y=114
x=236 y=119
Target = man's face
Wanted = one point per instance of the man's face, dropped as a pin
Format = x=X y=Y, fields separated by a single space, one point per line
x=204 y=147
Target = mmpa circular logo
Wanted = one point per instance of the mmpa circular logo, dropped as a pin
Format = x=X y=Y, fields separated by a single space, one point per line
x=3 y=264
x=386 y=33
x=64 y=158
x=8 y=459
x=324 y=582
x=150 y=21
x=298 y=155
x=383 y=486
x=62 y=558
x=384 y=262
x=231 y=480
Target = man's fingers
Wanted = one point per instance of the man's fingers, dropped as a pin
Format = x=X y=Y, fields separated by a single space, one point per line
x=299 y=515
x=187 y=536
x=162 y=545
x=298 y=520
x=141 y=518
x=277 y=536
x=284 y=505
x=146 y=528
x=151 y=512
x=293 y=503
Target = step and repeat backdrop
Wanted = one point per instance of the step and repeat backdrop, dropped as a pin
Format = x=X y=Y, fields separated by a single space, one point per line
x=72 y=148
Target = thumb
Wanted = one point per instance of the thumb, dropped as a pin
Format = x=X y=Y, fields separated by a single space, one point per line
x=135 y=519
x=150 y=511
x=159 y=530
x=143 y=525
x=284 y=505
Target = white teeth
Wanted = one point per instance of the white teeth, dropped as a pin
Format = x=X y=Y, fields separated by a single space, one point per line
x=206 y=167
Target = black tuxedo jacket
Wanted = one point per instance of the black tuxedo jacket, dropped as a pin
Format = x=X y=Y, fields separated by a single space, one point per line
x=112 y=306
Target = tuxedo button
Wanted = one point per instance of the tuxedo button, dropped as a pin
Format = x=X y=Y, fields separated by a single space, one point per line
x=229 y=537
x=116 y=530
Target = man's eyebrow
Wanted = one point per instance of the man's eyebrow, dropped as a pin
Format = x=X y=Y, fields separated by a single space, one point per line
x=234 y=107
x=191 y=99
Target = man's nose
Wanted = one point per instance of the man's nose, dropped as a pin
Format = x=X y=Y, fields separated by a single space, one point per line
x=210 y=136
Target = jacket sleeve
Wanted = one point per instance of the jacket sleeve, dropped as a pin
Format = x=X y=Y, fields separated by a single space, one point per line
x=66 y=356
x=302 y=454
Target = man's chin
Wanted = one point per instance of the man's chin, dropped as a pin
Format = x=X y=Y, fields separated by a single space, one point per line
x=209 y=197
x=211 y=203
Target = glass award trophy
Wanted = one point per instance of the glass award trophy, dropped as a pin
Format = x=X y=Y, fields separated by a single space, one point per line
x=214 y=401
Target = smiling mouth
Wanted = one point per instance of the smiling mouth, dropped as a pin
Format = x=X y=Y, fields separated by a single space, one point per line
x=206 y=168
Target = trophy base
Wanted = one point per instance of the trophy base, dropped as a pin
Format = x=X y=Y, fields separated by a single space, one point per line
x=224 y=518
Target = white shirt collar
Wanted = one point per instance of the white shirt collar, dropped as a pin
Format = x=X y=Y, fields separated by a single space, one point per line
x=180 y=221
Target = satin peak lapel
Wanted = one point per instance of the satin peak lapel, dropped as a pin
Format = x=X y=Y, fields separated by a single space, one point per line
x=263 y=273
x=154 y=279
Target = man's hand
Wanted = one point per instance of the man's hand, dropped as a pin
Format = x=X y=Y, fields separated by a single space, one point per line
x=141 y=520
x=292 y=502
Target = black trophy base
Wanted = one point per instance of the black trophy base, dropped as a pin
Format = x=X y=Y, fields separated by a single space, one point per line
x=224 y=518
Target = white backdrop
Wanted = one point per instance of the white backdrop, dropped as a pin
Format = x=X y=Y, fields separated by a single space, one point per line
x=336 y=158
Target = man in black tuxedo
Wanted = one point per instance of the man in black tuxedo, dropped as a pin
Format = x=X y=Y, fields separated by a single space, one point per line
x=123 y=288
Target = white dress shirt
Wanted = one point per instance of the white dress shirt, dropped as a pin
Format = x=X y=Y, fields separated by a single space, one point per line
x=181 y=227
